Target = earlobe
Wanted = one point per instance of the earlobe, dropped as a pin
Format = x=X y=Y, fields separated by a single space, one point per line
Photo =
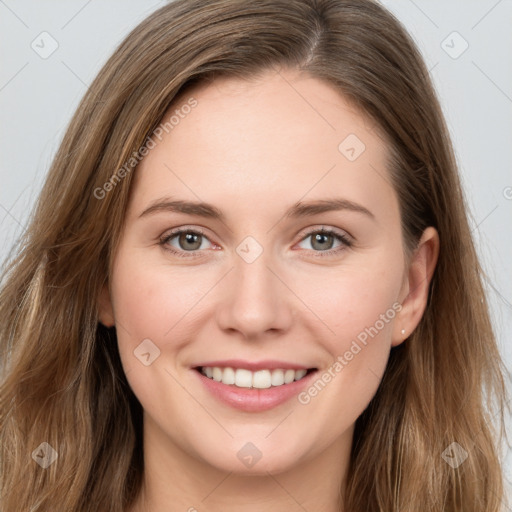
x=416 y=287
x=106 y=313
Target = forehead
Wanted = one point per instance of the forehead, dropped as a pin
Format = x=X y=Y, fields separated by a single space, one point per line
x=272 y=138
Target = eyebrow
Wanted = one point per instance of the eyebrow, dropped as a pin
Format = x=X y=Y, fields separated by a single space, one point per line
x=297 y=210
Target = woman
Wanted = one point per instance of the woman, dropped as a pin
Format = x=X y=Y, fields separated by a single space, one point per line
x=249 y=282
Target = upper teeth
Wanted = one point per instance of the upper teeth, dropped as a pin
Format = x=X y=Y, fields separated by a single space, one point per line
x=243 y=378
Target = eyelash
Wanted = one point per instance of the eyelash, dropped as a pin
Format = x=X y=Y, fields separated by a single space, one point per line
x=193 y=254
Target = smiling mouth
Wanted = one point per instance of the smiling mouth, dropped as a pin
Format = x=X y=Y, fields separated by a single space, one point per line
x=260 y=379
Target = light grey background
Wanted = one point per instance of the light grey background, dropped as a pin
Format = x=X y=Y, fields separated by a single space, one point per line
x=38 y=96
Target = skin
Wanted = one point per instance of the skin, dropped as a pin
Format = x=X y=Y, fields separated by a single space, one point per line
x=253 y=149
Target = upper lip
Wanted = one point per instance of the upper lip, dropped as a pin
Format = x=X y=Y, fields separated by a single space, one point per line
x=254 y=365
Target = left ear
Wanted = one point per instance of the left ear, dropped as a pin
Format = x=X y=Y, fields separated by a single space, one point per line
x=414 y=293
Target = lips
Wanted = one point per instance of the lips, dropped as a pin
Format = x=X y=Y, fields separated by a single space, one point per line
x=269 y=364
x=253 y=386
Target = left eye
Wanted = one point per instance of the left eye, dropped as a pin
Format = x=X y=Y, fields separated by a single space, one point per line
x=324 y=239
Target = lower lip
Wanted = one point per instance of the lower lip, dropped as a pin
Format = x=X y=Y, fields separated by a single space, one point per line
x=251 y=399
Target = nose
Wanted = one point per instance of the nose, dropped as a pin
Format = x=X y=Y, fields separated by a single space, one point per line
x=255 y=300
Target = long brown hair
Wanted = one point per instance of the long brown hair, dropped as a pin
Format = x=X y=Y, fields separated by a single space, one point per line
x=62 y=380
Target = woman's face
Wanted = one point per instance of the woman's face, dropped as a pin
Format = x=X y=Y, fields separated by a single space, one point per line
x=251 y=284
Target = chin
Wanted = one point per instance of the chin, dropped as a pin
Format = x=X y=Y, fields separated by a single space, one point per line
x=253 y=458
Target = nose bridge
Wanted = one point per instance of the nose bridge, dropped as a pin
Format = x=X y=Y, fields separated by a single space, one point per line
x=254 y=280
x=255 y=300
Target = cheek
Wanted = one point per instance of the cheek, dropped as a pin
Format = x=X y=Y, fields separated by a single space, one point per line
x=356 y=303
x=150 y=299
x=148 y=304
x=151 y=302
x=359 y=306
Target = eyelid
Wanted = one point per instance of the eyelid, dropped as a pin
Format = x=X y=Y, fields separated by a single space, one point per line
x=325 y=229
x=176 y=231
